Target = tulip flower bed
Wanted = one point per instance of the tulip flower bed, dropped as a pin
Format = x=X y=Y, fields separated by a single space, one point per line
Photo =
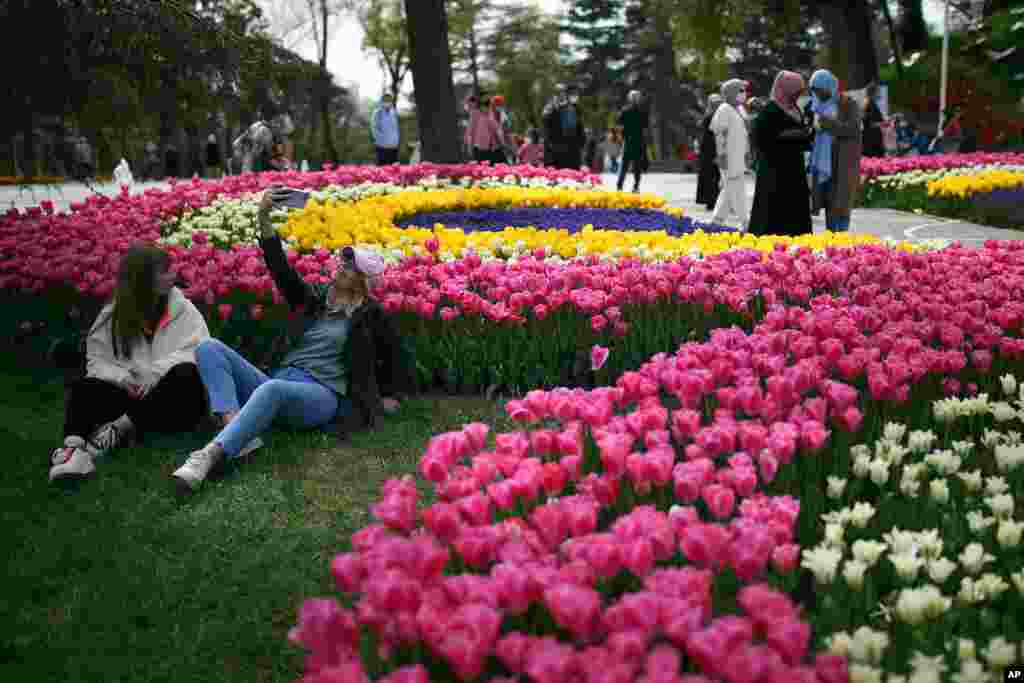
x=483 y=309
x=645 y=529
x=985 y=189
x=573 y=220
x=935 y=557
x=871 y=168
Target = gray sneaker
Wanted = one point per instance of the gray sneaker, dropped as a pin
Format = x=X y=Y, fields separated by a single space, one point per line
x=193 y=473
x=72 y=461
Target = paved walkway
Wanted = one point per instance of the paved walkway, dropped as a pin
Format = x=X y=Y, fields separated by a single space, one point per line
x=679 y=189
x=682 y=189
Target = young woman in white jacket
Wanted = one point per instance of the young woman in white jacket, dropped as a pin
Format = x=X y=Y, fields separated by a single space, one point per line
x=141 y=373
x=732 y=144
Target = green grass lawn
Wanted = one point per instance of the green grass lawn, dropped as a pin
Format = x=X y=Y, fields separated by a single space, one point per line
x=116 y=580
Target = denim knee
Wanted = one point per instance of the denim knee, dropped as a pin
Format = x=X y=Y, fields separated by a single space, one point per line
x=209 y=348
x=271 y=390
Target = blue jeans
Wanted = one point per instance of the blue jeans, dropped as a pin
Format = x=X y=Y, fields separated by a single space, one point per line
x=292 y=396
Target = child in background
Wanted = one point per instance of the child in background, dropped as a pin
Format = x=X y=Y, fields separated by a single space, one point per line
x=532 y=152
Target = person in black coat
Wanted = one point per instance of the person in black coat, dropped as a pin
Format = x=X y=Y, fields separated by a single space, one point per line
x=709 y=179
x=635 y=123
x=782 y=199
x=564 y=134
x=874 y=145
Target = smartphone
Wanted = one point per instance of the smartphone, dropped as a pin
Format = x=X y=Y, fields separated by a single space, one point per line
x=290 y=198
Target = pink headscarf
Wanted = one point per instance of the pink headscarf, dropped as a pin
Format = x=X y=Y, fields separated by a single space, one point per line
x=786 y=90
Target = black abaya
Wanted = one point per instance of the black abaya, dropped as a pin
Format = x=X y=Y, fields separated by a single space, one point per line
x=709 y=178
x=872 y=140
x=782 y=199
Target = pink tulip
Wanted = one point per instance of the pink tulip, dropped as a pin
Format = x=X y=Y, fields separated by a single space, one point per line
x=574 y=608
x=598 y=357
x=719 y=499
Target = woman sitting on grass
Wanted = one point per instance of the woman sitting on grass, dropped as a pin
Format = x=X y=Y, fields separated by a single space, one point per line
x=347 y=358
x=141 y=373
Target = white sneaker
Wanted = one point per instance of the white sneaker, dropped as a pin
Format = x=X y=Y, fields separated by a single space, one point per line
x=61 y=454
x=248 y=448
x=192 y=474
x=72 y=461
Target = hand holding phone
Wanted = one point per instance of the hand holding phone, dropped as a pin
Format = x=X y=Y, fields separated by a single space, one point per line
x=289 y=198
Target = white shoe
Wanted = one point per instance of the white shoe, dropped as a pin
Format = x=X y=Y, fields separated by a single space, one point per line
x=192 y=474
x=248 y=448
x=72 y=461
x=61 y=454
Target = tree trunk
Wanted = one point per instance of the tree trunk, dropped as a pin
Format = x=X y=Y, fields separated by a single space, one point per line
x=473 y=62
x=30 y=159
x=852 y=54
x=665 y=98
x=427 y=24
x=894 y=37
x=325 y=89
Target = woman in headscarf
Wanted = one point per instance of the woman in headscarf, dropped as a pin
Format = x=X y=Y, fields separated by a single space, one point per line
x=710 y=177
x=732 y=144
x=835 y=157
x=782 y=205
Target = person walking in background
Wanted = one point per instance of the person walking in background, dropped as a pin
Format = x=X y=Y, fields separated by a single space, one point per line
x=731 y=145
x=709 y=176
x=213 y=163
x=564 y=135
x=635 y=122
x=612 y=150
x=141 y=373
x=384 y=131
x=835 y=157
x=782 y=203
x=874 y=144
x=532 y=151
x=484 y=134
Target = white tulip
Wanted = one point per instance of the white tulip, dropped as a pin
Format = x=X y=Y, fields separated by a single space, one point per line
x=971 y=671
x=939 y=491
x=853 y=573
x=1000 y=653
x=972 y=480
x=1003 y=411
x=868 y=552
x=974 y=558
x=940 y=569
x=1001 y=505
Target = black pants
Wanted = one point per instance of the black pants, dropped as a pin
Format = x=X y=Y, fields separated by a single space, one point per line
x=387 y=155
x=638 y=166
x=175 y=404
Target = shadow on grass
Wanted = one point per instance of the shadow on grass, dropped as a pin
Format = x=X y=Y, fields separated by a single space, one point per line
x=116 y=580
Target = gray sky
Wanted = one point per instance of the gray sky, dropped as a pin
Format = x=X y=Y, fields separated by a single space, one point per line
x=352 y=67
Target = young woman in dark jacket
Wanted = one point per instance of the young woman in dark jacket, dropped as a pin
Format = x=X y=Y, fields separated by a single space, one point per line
x=347 y=366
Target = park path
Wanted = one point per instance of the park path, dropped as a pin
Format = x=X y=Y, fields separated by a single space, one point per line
x=678 y=189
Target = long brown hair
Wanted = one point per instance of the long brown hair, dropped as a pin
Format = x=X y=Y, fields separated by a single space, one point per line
x=137 y=302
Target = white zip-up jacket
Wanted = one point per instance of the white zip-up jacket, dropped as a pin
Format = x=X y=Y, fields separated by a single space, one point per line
x=178 y=333
x=731 y=138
